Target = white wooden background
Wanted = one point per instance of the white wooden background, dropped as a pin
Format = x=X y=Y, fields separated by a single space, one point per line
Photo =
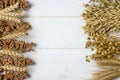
x=57 y=31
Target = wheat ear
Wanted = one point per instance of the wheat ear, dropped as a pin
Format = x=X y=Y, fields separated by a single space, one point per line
x=111 y=76
x=13 y=14
x=14 y=35
x=11 y=53
x=10 y=8
x=8 y=18
x=111 y=67
x=109 y=62
x=102 y=75
x=14 y=68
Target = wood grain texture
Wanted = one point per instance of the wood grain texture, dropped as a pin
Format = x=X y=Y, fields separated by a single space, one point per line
x=56 y=7
x=57 y=31
x=63 y=33
x=61 y=64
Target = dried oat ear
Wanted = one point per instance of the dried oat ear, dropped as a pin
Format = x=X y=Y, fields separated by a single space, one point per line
x=13 y=64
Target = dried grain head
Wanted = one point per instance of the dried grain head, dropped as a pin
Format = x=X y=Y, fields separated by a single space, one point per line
x=106 y=47
x=18 y=46
x=23 y=4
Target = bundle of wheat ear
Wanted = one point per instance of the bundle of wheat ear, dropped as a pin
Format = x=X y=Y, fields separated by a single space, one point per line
x=110 y=70
x=13 y=65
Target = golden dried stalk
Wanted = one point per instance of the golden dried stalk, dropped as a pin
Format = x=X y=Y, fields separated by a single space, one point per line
x=14 y=35
x=109 y=76
x=13 y=14
x=7 y=18
x=111 y=70
x=112 y=62
x=11 y=53
x=9 y=14
x=102 y=74
x=14 y=68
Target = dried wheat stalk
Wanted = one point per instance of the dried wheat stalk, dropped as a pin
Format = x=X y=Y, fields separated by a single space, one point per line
x=14 y=35
x=13 y=65
x=111 y=70
x=11 y=53
x=10 y=14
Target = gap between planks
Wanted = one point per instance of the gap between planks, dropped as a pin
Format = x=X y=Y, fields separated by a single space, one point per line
x=53 y=16
x=61 y=48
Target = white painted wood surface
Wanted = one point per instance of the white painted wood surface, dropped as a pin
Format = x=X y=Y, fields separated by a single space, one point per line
x=57 y=30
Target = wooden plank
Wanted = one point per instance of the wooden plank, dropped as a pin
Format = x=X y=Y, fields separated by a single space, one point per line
x=56 y=7
x=63 y=33
x=59 y=64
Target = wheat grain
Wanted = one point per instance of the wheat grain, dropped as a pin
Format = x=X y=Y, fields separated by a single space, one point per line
x=14 y=68
x=13 y=14
x=11 y=53
x=109 y=62
x=14 y=35
x=111 y=76
x=103 y=74
x=12 y=19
